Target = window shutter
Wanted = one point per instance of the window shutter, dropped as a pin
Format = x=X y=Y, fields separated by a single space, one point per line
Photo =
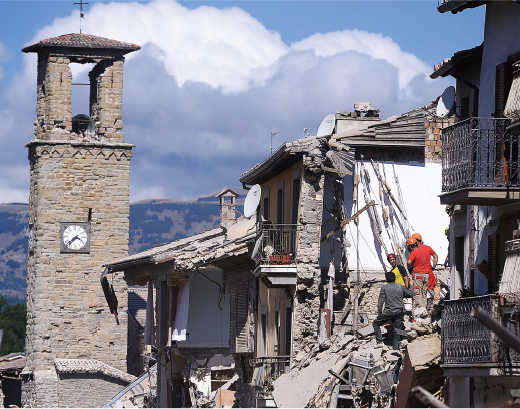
x=241 y=323
x=500 y=90
x=492 y=264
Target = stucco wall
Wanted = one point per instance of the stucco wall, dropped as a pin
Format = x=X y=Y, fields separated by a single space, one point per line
x=501 y=39
x=207 y=324
x=420 y=185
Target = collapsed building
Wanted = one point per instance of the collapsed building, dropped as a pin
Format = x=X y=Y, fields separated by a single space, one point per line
x=302 y=274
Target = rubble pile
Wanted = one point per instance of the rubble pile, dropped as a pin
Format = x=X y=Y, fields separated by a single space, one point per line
x=352 y=371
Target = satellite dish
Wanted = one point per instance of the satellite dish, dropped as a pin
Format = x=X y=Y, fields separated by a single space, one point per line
x=327 y=125
x=446 y=102
x=252 y=200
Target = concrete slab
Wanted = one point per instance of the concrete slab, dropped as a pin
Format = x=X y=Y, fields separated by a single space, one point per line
x=366 y=331
x=392 y=356
x=424 y=351
x=294 y=390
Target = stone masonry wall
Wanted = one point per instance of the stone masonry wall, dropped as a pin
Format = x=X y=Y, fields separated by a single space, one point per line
x=76 y=390
x=433 y=129
x=54 y=93
x=68 y=316
x=107 y=99
x=307 y=297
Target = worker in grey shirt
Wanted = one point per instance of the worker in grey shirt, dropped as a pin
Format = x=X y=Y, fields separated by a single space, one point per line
x=391 y=295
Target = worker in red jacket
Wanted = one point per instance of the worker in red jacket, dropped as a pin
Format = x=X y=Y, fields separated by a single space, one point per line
x=432 y=277
x=420 y=263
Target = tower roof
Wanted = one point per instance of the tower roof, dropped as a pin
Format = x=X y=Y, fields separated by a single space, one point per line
x=82 y=41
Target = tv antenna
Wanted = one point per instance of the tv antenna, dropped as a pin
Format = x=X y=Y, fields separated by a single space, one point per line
x=272 y=139
x=81 y=15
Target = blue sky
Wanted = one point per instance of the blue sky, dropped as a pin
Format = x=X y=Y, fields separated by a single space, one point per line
x=215 y=78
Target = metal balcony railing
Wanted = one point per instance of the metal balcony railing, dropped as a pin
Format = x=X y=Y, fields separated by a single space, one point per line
x=278 y=244
x=464 y=338
x=466 y=341
x=267 y=370
x=479 y=152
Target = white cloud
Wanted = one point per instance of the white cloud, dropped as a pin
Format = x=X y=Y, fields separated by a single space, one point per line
x=374 y=45
x=209 y=86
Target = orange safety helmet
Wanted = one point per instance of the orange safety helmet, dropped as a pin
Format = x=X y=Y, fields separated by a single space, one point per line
x=417 y=236
x=411 y=241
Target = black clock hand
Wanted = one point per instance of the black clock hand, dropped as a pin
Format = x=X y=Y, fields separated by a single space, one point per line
x=71 y=240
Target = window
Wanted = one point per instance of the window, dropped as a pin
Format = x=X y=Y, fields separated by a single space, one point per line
x=265 y=204
x=295 y=197
x=464 y=107
x=280 y=202
x=263 y=331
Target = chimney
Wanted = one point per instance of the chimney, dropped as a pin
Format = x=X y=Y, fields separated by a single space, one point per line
x=227 y=206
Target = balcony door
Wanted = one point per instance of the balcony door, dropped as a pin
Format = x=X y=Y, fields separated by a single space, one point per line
x=274 y=323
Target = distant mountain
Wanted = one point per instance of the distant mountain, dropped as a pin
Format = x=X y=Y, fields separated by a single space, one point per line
x=151 y=222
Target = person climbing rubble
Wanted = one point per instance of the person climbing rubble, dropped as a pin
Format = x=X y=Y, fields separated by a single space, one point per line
x=391 y=295
x=420 y=263
x=401 y=276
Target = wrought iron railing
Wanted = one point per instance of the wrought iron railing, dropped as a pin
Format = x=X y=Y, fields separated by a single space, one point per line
x=466 y=341
x=267 y=370
x=479 y=152
x=464 y=338
x=278 y=244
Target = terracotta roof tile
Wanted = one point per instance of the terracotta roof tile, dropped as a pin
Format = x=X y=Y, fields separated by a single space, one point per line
x=137 y=299
x=81 y=41
x=14 y=361
x=91 y=366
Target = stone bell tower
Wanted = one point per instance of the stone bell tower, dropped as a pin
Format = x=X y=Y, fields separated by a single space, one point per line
x=78 y=216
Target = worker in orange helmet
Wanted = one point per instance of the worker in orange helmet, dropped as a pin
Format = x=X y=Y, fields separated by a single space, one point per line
x=417 y=237
x=420 y=263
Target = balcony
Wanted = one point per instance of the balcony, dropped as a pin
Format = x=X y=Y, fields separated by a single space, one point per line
x=471 y=349
x=267 y=370
x=275 y=253
x=480 y=163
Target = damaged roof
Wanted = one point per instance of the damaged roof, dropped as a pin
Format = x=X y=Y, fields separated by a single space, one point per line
x=91 y=366
x=189 y=253
x=454 y=6
x=12 y=362
x=459 y=61
x=405 y=130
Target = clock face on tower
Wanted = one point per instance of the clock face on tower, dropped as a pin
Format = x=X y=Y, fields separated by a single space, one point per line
x=74 y=237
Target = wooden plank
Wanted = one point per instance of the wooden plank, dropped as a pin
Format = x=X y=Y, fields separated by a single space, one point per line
x=344 y=223
x=356 y=293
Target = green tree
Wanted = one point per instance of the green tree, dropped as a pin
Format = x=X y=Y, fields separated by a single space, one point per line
x=13 y=319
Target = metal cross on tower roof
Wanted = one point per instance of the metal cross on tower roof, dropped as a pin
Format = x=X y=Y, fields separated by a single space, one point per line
x=81 y=15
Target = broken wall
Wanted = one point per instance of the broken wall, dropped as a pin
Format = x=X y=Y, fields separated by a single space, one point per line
x=307 y=296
